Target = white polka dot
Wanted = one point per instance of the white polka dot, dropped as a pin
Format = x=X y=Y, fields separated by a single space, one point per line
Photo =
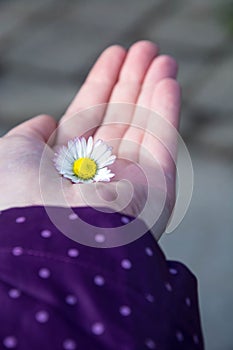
x=46 y=233
x=14 y=293
x=99 y=238
x=44 y=272
x=125 y=310
x=126 y=264
x=73 y=216
x=73 y=253
x=20 y=220
x=150 y=343
x=69 y=344
x=97 y=328
x=188 y=301
x=179 y=336
x=71 y=299
x=173 y=271
x=149 y=251
x=99 y=280
x=168 y=287
x=195 y=339
x=10 y=342
x=42 y=316
x=125 y=220
x=17 y=251
x=150 y=298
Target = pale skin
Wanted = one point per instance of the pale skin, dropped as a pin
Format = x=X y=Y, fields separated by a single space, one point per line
x=138 y=76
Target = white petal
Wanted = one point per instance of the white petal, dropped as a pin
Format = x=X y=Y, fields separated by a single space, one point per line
x=67 y=162
x=58 y=163
x=72 y=149
x=73 y=178
x=98 y=142
x=103 y=158
x=61 y=153
x=88 y=181
x=70 y=153
x=67 y=171
x=63 y=161
x=79 y=148
x=101 y=151
x=89 y=146
x=97 y=151
x=70 y=144
x=84 y=147
x=108 y=161
x=103 y=175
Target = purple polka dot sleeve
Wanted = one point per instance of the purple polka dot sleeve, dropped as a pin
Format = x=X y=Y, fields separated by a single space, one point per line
x=58 y=294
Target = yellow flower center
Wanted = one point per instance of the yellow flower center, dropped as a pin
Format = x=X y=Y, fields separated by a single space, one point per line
x=85 y=168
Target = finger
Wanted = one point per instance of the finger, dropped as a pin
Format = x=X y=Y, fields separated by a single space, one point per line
x=96 y=90
x=128 y=87
x=133 y=72
x=40 y=128
x=100 y=81
x=160 y=137
x=162 y=67
x=166 y=100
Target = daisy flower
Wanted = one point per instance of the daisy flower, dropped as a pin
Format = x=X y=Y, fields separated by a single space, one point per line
x=85 y=161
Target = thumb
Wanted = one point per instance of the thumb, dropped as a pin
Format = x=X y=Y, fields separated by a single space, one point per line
x=40 y=127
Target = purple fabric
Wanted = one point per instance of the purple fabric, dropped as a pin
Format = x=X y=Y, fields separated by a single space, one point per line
x=58 y=294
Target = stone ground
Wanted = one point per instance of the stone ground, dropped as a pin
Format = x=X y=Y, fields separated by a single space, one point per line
x=46 y=49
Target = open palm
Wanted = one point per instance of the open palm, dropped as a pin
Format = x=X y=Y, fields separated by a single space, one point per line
x=118 y=84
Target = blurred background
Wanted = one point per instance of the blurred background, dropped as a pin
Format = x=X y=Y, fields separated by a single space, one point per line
x=47 y=48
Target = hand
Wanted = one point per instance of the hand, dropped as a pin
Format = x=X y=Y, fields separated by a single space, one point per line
x=139 y=77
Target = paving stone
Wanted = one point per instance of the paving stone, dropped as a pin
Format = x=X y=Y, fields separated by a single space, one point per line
x=20 y=99
x=190 y=71
x=215 y=94
x=117 y=16
x=188 y=31
x=187 y=122
x=59 y=47
x=70 y=44
x=209 y=7
x=217 y=134
x=14 y=13
x=204 y=242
